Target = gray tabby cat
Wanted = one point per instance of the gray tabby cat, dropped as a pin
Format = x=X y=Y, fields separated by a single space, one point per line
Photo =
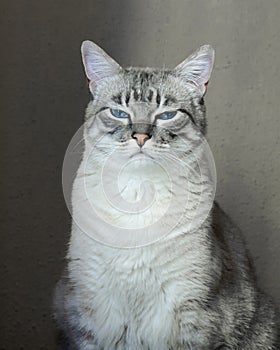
x=192 y=289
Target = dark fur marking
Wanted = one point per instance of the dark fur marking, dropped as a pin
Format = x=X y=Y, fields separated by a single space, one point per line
x=144 y=77
x=115 y=130
x=101 y=109
x=158 y=98
x=150 y=95
x=117 y=99
x=127 y=98
x=201 y=101
x=172 y=135
x=122 y=335
x=188 y=114
x=169 y=100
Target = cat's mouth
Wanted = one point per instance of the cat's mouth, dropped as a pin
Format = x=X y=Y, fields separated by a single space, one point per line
x=141 y=154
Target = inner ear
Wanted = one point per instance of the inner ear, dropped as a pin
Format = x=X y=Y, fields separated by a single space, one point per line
x=97 y=63
x=197 y=68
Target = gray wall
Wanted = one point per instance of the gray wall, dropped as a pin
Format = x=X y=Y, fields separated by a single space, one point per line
x=43 y=94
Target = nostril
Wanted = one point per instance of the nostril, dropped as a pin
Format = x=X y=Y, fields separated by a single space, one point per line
x=140 y=138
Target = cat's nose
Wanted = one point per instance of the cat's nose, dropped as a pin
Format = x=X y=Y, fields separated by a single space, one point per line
x=140 y=138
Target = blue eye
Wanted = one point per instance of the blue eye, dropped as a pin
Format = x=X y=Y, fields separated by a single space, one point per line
x=118 y=113
x=167 y=115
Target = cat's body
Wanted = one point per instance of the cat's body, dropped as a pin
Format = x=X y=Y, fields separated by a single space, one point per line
x=191 y=289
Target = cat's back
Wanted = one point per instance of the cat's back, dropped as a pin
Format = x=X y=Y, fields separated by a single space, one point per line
x=238 y=288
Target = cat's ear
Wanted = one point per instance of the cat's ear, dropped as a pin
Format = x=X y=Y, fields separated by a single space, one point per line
x=197 y=68
x=98 y=65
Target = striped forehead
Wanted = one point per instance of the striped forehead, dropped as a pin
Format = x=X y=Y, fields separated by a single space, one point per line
x=147 y=87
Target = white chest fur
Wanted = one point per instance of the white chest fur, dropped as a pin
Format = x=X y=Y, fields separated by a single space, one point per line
x=130 y=297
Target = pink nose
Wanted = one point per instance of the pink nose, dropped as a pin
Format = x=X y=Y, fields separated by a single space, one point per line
x=141 y=138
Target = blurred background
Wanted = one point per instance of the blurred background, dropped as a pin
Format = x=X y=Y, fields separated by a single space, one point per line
x=43 y=97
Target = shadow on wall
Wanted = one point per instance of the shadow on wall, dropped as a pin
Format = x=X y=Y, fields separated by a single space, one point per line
x=244 y=205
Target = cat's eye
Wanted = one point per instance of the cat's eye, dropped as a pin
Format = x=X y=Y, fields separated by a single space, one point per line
x=167 y=115
x=118 y=113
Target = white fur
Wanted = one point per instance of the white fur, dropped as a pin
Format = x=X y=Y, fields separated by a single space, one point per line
x=138 y=288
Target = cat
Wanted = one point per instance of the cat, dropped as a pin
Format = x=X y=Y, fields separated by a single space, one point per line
x=175 y=287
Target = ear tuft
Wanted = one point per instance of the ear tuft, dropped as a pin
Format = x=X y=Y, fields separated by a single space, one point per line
x=97 y=63
x=197 y=68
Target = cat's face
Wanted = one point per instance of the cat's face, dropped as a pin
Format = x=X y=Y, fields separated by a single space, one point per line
x=146 y=169
x=146 y=112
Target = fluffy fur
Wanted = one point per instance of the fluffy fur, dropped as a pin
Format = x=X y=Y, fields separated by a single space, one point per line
x=192 y=289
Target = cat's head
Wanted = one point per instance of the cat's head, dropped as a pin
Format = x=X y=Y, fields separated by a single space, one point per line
x=145 y=167
x=143 y=110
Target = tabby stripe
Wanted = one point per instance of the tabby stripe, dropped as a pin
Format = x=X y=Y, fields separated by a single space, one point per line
x=102 y=109
x=158 y=98
x=117 y=99
x=169 y=100
x=150 y=95
x=127 y=98
x=188 y=114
